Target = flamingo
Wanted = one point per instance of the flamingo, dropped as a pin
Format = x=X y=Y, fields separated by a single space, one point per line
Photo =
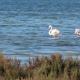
x=53 y=31
x=77 y=32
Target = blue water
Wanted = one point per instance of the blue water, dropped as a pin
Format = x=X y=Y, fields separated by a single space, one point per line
x=24 y=26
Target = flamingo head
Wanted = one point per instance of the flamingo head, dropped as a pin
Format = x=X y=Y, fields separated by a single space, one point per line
x=50 y=27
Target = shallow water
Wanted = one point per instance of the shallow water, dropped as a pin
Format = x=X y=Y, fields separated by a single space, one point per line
x=24 y=26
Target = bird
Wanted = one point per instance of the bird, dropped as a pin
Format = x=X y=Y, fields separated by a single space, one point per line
x=77 y=32
x=53 y=31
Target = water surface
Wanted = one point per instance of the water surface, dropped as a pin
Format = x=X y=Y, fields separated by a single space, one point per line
x=24 y=26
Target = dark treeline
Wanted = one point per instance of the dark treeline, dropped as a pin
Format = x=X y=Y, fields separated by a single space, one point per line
x=40 y=68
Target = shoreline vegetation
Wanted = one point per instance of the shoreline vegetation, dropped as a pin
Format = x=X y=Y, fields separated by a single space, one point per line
x=40 y=68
